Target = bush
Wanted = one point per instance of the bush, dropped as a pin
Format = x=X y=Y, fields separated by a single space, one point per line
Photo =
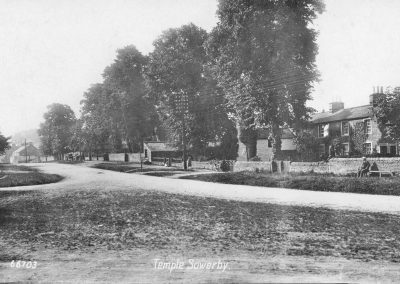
x=225 y=166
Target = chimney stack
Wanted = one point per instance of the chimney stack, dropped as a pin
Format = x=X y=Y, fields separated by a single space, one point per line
x=335 y=106
x=377 y=93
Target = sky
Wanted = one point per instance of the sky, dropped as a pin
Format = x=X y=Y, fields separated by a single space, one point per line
x=52 y=51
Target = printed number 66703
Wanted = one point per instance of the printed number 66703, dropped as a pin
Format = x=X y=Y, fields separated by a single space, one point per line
x=23 y=264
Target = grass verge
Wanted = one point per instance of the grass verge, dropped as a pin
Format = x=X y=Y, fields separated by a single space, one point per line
x=13 y=175
x=126 y=220
x=132 y=168
x=367 y=185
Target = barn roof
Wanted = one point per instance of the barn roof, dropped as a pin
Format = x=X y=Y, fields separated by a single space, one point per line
x=160 y=147
x=30 y=150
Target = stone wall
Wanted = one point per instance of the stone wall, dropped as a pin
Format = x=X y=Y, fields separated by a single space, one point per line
x=351 y=165
x=202 y=165
x=237 y=166
x=345 y=165
x=120 y=157
x=306 y=167
x=252 y=166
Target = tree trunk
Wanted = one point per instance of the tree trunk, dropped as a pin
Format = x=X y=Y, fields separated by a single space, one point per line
x=276 y=143
x=251 y=147
x=90 y=153
x=249 y=138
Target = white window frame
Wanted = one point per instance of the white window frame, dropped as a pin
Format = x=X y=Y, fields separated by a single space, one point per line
x=348 y=146
x=366 y=128
x=348 y=128
x=370 y=149
x=321 y=130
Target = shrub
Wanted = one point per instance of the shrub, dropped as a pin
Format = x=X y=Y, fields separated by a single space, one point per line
x=225 y=166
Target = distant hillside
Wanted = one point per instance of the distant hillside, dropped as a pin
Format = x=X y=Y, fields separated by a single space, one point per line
x=30 y=135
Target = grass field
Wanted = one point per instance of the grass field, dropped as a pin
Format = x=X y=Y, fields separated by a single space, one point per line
x=22 y=175
x=316 y=182
x=119 y=220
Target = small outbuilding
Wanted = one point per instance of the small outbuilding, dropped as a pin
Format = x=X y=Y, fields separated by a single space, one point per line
x=25 y=154
x=158 y=149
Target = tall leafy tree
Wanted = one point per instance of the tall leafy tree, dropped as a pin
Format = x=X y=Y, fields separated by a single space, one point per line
x=96 y=119
x=124 y=79
x=263 y=54
x=57 y=129
x=117 y=108
x=181 y=86
x=387 y=111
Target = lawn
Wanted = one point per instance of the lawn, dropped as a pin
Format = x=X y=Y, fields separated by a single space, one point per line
x=121 y=220
x=14 y=175
x=316 y=182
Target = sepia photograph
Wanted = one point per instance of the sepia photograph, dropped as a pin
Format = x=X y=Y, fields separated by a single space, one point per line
x=199 y=141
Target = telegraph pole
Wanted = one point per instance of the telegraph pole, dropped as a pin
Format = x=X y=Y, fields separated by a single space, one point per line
x=184 y=143
x=182 y=107
x=26 y=153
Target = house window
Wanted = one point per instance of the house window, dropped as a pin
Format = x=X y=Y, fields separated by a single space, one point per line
x=321 y=130
x=367 y=148
x=346 y=149
x=345 y=128
x=145 y=153
x=387 y=149
x=321 y=149
x=393 y=150
x=367 y=126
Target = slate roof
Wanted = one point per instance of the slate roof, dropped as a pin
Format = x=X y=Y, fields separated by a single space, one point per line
x=160 y=147
x=344 y=114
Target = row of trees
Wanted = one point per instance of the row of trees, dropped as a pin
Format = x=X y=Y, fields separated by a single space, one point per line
x=255 y=68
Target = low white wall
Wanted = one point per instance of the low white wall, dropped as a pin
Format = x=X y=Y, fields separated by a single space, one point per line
x=120 y=157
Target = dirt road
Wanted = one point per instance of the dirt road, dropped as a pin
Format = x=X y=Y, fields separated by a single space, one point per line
x=79 y=177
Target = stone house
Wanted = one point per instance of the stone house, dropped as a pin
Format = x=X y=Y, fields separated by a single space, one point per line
x=351 y=131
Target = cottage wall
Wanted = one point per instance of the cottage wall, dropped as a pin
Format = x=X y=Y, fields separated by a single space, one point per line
x=263 y=151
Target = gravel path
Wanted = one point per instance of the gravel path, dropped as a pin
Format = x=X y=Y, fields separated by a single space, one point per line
x=80 y=177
